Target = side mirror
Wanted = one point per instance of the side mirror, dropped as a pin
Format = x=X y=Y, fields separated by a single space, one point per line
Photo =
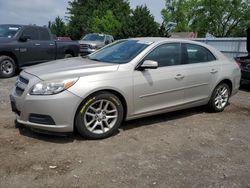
x=24 y=38
x=148 y=64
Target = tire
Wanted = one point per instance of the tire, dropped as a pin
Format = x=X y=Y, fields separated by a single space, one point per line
x=7 y=67
x=68 y=55
x=99 y=116
x=219 y=99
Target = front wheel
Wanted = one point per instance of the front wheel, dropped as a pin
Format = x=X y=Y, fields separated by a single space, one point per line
x=219 y=98
x=7 y=67
x=99 y=116
x=68 y=56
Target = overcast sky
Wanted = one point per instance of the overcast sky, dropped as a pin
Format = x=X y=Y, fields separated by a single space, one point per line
x=39 y=12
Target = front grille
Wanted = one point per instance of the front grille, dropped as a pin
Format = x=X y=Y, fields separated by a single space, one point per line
x=84 y=46
x=21 y=84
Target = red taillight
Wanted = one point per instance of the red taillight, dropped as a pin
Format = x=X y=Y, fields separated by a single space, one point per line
x=237 y=60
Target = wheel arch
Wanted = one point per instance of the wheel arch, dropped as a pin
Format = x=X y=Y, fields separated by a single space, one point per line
x=228 y=82
x=114 y=92
x=11 y=55
x=69 y=51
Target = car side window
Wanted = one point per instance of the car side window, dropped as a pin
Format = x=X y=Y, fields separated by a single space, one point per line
x=32 y=32
x=44 y=34
x=197 y=54
x=166 y=54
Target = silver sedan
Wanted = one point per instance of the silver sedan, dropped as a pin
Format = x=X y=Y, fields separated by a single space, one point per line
x=125 y=80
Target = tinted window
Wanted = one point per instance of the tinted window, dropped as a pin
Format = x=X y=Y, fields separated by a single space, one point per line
x=165 y=55
x=44 y=34
x=32 y=32
x=197 y=54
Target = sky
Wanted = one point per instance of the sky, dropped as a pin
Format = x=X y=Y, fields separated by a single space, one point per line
x=39 y=12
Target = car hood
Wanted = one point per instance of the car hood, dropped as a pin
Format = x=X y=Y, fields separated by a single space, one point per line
x=68 y=68
x=91 y=42
x=5 y=40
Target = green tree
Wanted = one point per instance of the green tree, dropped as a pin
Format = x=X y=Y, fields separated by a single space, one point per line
x=58 y=27
x=141 y=23
x=180 y=12
x=81 y=14
x=221 y=18
x=107 y=24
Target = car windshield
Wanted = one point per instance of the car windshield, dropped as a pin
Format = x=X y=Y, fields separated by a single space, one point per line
x=94 y=37
x=120 y=52
x=9 y=31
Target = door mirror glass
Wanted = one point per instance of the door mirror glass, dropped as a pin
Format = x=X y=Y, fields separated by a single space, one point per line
x=148 y=64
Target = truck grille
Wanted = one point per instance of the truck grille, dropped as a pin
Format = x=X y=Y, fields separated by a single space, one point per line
x=21 y=84
x=84 y=46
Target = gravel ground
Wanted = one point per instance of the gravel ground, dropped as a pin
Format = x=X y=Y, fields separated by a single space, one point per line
x=189 y=148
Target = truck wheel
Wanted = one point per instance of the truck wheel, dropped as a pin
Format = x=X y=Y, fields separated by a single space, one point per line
x=68 y=56
x=7 y=67
x=99 y=116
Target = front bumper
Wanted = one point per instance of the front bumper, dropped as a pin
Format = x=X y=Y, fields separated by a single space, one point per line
x=60 y=109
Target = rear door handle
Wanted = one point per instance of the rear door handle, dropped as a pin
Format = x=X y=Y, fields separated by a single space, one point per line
x=51 y=44
x=213 y=71
x=37 y=44
x=179 y=77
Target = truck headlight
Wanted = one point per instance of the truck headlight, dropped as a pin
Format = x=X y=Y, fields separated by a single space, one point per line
x=52 y=87
x=91 y=46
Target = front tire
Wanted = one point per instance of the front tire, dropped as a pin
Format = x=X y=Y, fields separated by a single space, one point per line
x=7 y=67
x=68 y=56
x=219 y=99
x=99 y=116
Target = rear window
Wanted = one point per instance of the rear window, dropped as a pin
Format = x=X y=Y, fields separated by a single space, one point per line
x=197 y=54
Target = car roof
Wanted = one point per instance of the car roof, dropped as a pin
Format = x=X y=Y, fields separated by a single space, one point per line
x=161 y=39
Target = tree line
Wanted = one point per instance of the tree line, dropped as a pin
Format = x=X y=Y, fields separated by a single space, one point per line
x=220 y=18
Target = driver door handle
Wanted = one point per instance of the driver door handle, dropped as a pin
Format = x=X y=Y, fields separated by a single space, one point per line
x=179 y=77
x=37 y=44
x=213 y=71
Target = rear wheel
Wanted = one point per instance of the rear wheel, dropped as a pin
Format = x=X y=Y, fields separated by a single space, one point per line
x=99 y=116
x=7 y=67
x=219 y=98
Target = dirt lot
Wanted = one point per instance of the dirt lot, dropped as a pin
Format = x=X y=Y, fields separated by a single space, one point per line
x=190 y=148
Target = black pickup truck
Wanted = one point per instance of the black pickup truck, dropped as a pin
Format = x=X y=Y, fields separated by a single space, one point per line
x=23 y=45
x=244 y=62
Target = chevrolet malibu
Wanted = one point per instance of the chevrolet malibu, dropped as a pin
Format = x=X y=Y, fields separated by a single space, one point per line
x=125 y=80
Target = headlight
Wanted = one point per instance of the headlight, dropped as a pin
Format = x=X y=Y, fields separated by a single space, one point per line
x=92 y=46
x=52 y=87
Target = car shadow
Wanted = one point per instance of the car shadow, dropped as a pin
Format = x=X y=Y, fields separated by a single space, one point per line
x=132 y=124
x=165 y=117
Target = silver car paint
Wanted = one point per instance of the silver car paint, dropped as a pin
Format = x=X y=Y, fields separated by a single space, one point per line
x=139 y=89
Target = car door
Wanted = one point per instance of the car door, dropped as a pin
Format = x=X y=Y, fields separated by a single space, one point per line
x=29 y=50
x=202 y=71
x=156 y=89
x=47 y=45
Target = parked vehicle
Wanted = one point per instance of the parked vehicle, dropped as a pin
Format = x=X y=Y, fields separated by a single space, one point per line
x=23 y=45
x=94 y=41
x=128 y=79
x=244 y=62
